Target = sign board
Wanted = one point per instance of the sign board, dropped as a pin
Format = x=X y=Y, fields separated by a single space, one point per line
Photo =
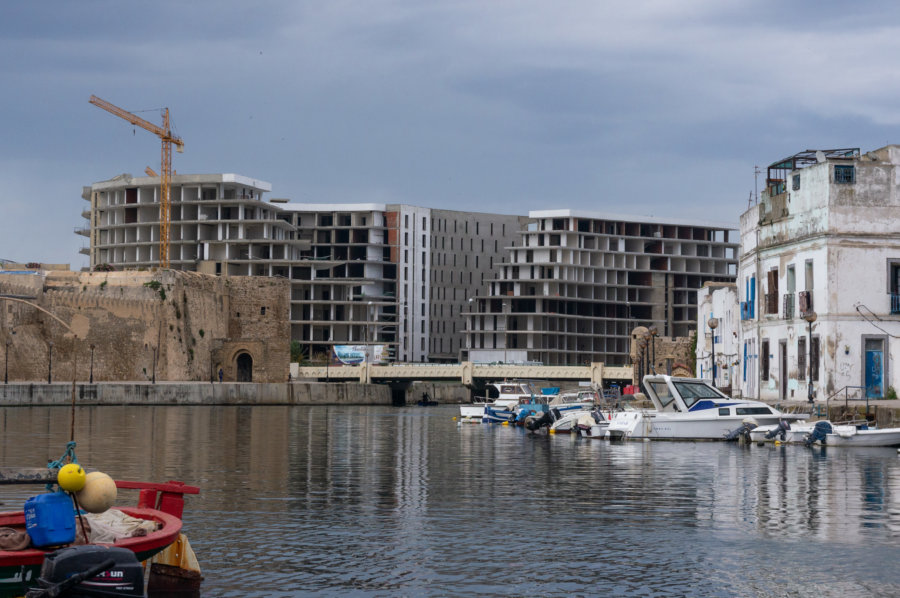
x=356 y=354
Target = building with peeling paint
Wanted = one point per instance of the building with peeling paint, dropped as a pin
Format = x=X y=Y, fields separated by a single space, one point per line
x=819 y=277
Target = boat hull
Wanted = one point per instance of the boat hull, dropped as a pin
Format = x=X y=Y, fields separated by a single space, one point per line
x=842 y=436
x=20 y=569
x=656 y=426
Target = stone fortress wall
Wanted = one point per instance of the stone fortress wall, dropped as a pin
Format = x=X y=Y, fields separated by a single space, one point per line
x=176 y=326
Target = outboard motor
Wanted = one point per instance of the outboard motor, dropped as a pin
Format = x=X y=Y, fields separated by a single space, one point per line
x=819 y=434
x=536 y=422
x=90 y=571
x=743 y=433
x=779 y=430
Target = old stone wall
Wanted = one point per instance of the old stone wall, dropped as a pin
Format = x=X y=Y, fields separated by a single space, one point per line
x=140 y=326
x=195 y=393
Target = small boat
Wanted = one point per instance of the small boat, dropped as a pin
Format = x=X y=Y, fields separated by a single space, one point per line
x=593 y=424
x=507 y=396
x=825 y=433
x=691 y=409
x=162 y=504
x=426 y=401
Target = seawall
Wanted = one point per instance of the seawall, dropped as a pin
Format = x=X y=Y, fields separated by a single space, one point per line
x=194 y=393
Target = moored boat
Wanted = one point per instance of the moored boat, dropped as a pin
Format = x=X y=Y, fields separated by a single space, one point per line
x=691 y=409
x=826 y=433
x=161 y=504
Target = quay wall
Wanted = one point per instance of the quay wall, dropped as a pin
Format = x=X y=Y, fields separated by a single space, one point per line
x=197 y=393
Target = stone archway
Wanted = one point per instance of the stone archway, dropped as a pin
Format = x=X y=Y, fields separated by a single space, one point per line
x=244 y=367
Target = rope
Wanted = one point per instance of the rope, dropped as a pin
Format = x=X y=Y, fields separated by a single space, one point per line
x=67 y=457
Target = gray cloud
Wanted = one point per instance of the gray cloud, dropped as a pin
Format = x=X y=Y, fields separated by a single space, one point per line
x=647 y=107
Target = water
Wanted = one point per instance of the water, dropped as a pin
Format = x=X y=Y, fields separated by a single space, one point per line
x=380 y=501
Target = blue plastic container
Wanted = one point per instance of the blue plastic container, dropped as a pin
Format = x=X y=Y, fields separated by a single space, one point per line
x=50 y=519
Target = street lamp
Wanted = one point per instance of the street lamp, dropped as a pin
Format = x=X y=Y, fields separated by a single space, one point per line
x=642 y=347
x=91 y=380
x=368 y=319
x=49 y=362
x=810 y=317
x=654 y=332
x=6 y=364
x=713 y=323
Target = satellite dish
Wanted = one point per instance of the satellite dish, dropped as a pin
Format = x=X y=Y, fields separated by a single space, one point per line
x=820 y=156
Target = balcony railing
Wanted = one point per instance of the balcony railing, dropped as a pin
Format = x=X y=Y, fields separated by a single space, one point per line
x=895 y=303
x=788 y=306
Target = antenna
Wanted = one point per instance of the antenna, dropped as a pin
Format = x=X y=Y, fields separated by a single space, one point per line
x=756 y=173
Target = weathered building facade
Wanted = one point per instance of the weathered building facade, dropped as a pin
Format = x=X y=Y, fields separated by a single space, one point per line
x=820 y=254
x=143 y=326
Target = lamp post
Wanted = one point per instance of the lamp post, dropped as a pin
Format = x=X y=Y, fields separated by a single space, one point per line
x=6 y=364
x=810 y=317
x=49 y=362
x=91 y=379
x=368 y=319
x=654 y=332
x=642 y=347
x=713 y=323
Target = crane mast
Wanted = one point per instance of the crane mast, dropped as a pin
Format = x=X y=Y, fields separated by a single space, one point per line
x=165 y=179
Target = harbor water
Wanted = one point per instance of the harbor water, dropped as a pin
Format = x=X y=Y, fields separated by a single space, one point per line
x=383 y=501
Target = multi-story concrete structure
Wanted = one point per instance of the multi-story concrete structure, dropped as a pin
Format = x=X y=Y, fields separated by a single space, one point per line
x=822 y=245
x=466 y=251
x=360 y=273
x=580 y=282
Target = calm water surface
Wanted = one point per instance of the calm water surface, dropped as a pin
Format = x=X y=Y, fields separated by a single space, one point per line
x=380 y=501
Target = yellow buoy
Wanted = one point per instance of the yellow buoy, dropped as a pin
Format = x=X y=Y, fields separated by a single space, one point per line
x=454 y=419
x=552 y=431
x=505 y=423
x=98 y=494
x=71 y=477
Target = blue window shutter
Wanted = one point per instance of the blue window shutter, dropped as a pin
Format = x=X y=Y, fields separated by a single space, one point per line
x=752 y=297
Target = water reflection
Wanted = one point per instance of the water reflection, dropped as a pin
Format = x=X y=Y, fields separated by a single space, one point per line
x=383 y=501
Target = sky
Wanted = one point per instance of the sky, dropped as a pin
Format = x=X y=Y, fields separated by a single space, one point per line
x=656 y=108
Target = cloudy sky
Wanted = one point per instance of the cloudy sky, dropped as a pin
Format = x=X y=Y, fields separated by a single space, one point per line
x=656 y=108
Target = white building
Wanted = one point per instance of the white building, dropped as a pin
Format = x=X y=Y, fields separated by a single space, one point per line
x=717 y=303
x=825 y=240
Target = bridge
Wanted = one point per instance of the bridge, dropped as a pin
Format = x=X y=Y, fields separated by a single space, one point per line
x=469 y=373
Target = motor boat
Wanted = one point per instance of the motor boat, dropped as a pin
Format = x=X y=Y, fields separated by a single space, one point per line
x=508 y=396
x=691 y=409
x=825 y=433
x=593 y=424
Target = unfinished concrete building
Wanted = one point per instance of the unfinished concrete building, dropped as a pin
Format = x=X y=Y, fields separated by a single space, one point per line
x=580 y=282
x=360 y=274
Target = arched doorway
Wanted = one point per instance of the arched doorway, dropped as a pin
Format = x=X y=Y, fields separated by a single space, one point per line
x=244 y=368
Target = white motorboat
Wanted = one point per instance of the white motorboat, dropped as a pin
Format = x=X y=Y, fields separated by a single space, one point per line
x=828 y=434
x=691 y=409
x=593 y=424
x=508 y=396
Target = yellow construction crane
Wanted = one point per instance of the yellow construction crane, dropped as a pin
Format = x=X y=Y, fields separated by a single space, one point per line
x=164 y=133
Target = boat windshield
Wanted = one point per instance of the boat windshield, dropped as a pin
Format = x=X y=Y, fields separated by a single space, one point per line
x=692 y=392
x=663 y=393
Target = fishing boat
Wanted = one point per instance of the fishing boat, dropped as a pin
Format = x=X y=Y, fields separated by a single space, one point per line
x=162 y=504
x=691 y=409
x=826 y=433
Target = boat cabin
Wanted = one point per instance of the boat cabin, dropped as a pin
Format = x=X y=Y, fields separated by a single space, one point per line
x=683 y=395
